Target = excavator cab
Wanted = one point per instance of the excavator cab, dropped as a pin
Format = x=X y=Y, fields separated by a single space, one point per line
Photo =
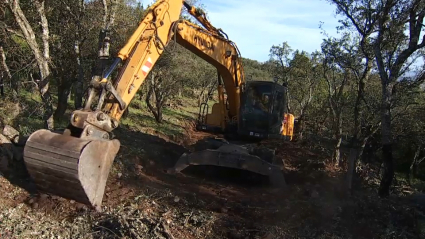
x=263 y=112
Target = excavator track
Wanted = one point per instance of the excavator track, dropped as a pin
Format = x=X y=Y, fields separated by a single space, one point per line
x=70 y=167
x=232 y=156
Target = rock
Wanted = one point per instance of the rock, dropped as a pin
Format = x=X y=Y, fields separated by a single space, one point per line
x=11 y=133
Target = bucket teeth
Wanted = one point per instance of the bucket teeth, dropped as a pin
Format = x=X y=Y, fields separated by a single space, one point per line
x=70 y=167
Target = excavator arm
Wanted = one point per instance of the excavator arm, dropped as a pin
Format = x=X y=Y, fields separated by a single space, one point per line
x=76 y=164
x=147 y=44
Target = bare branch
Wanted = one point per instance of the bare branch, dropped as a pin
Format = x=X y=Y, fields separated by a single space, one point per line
x=45 y=28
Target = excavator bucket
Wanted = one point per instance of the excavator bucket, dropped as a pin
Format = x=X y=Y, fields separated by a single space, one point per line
x=232 y=156
x=70 y=167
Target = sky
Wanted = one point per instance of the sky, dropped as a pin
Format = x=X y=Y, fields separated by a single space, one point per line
x=256 y=25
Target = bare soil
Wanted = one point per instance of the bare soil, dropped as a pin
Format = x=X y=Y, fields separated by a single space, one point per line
x=143 y=201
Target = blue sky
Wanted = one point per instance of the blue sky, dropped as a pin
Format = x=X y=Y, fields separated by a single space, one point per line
x=257 y=25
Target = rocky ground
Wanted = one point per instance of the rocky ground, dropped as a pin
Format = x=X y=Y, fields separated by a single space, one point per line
x=143 y=201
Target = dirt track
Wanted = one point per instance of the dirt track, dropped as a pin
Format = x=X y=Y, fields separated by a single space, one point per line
x=142 y=201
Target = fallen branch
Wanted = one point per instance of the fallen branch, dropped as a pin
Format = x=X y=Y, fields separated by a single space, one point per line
x=167 y=230
x=130 y=229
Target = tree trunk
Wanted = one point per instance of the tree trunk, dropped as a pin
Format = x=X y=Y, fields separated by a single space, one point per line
x=157 y=113
x=79 y=39
x=159 y=117
x=79 y=84
x=387 y=153
x=299 y=128
x=337 y=152
x=288 y=99
x=1 y=85
x=5 y=69
x=46 y=97
x=159 y=101
x=152 y=91
x=355 y=151
x=412 y=171
x=414 y=165
x=201 y=98
x=304 y=106
x=338 y=137
x=63 y=93
x=45 y=69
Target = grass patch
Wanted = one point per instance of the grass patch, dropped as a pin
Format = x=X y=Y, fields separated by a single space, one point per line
x=26 y=114
x=141 y=119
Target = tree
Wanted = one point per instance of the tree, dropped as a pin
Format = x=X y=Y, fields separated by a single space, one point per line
x=305 y=74
x=255 y=70
x=355 y=58
x=66 y=24
x=73 y=36
x=206 y=79
x=381 y=25
x=166 y=78
x=41 y=52
x=279 y=55
x=408 y=108
x=337 y=78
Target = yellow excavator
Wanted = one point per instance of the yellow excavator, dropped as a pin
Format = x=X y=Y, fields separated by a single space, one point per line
x=75 y=164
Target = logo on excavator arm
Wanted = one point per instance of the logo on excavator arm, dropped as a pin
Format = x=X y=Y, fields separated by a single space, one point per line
x=203 y=42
